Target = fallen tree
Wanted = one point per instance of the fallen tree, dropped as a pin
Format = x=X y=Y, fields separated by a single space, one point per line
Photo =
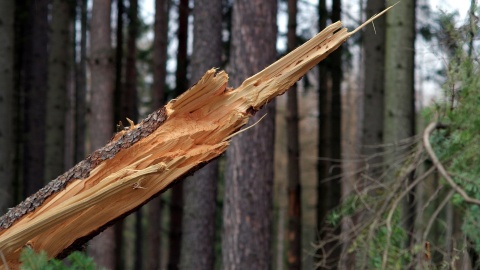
x=143 y=161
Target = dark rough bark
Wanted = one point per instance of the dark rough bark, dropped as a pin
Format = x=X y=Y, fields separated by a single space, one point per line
x=335 y=185
x=324 y=125
x=138 y=263
x=119 y=75
x=182 y=37
x=158 y=94
x=81 y=87
x=247 y=215
x=83 y=169
x=374 y=46
x=176 y=205
x=7 y=102
x=200 y=190
x=160 y=52
x=329 y=138
x=129 y=102
x=101 y=122
x=34 y=81
x=130 y=109
x=58 y=73
x=294 y=234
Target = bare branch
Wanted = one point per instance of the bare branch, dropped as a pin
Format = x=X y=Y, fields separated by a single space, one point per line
x=436 y=162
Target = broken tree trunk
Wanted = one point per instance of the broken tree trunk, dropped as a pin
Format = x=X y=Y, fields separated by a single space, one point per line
x=139 y=163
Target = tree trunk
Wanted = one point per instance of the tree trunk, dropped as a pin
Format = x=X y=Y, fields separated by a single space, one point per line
x=200 y=190
x=81 y=87
x=7 y=108
x=144 y=160
x=247 y=215
x=158 y=93
x=101 y=124
x=34 y=81
x=294 y=234
x=399 y=115
x=58 y=73
x=176 y=204
x=374 y=47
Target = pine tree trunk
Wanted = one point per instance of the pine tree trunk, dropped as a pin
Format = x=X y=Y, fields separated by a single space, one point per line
x=158 y=93
x=58 y=73
x=399 y=115
x=176 y=204
x=7 y=108
x=34 y=81
x=247 y=214
x=294 y=234
x=101 y=66
x=81 y=87
x=200 y=189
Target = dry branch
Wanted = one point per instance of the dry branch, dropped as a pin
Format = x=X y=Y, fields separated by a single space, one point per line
x=142 y=162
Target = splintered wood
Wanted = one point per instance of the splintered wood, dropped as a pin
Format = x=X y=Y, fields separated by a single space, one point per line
x=143 y=161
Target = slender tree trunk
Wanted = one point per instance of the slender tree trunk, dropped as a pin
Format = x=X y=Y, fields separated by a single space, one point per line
x=374 y=47
x=329 y=145
x=200 y=190
x=158 y=93
x=101 y=122
x=7 y=108
x=58 y=73
x=81 y=88
x=399 y=115
x=119 y=75
x=130 y=109
x=294 y=234
x=176 y=206
x=34 y=80
x=247 y=215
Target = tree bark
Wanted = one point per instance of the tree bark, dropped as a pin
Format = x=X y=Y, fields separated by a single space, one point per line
x=247 y=214
x=81 y=87
x=176 y=204
x=139 y=163
x=158 y=94
x=101 y=122
x=7 y=105
x=294 y=234
x=200 y=190
x=399 y=114
x=58 y=72
x=34 y=81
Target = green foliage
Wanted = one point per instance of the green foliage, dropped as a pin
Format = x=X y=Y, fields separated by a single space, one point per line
x=30 y=260
x=458 y=145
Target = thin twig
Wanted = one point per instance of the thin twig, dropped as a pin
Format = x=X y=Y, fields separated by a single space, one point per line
x=436 y=162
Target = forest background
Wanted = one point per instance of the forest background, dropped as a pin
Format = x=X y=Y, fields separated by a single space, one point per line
x=338 y=173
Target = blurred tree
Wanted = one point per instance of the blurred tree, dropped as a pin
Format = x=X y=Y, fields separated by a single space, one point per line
x=247 y=214
x=200 y=189
x=81 y=85
x=120 y=114
x=101 y=107
x=399 y=114
x=58 y=74
x=158 y=94
x=7 y=105
x=34 y=90
x=181 y=85
x=374 y=62
x=329 y=145
x=294 y=234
